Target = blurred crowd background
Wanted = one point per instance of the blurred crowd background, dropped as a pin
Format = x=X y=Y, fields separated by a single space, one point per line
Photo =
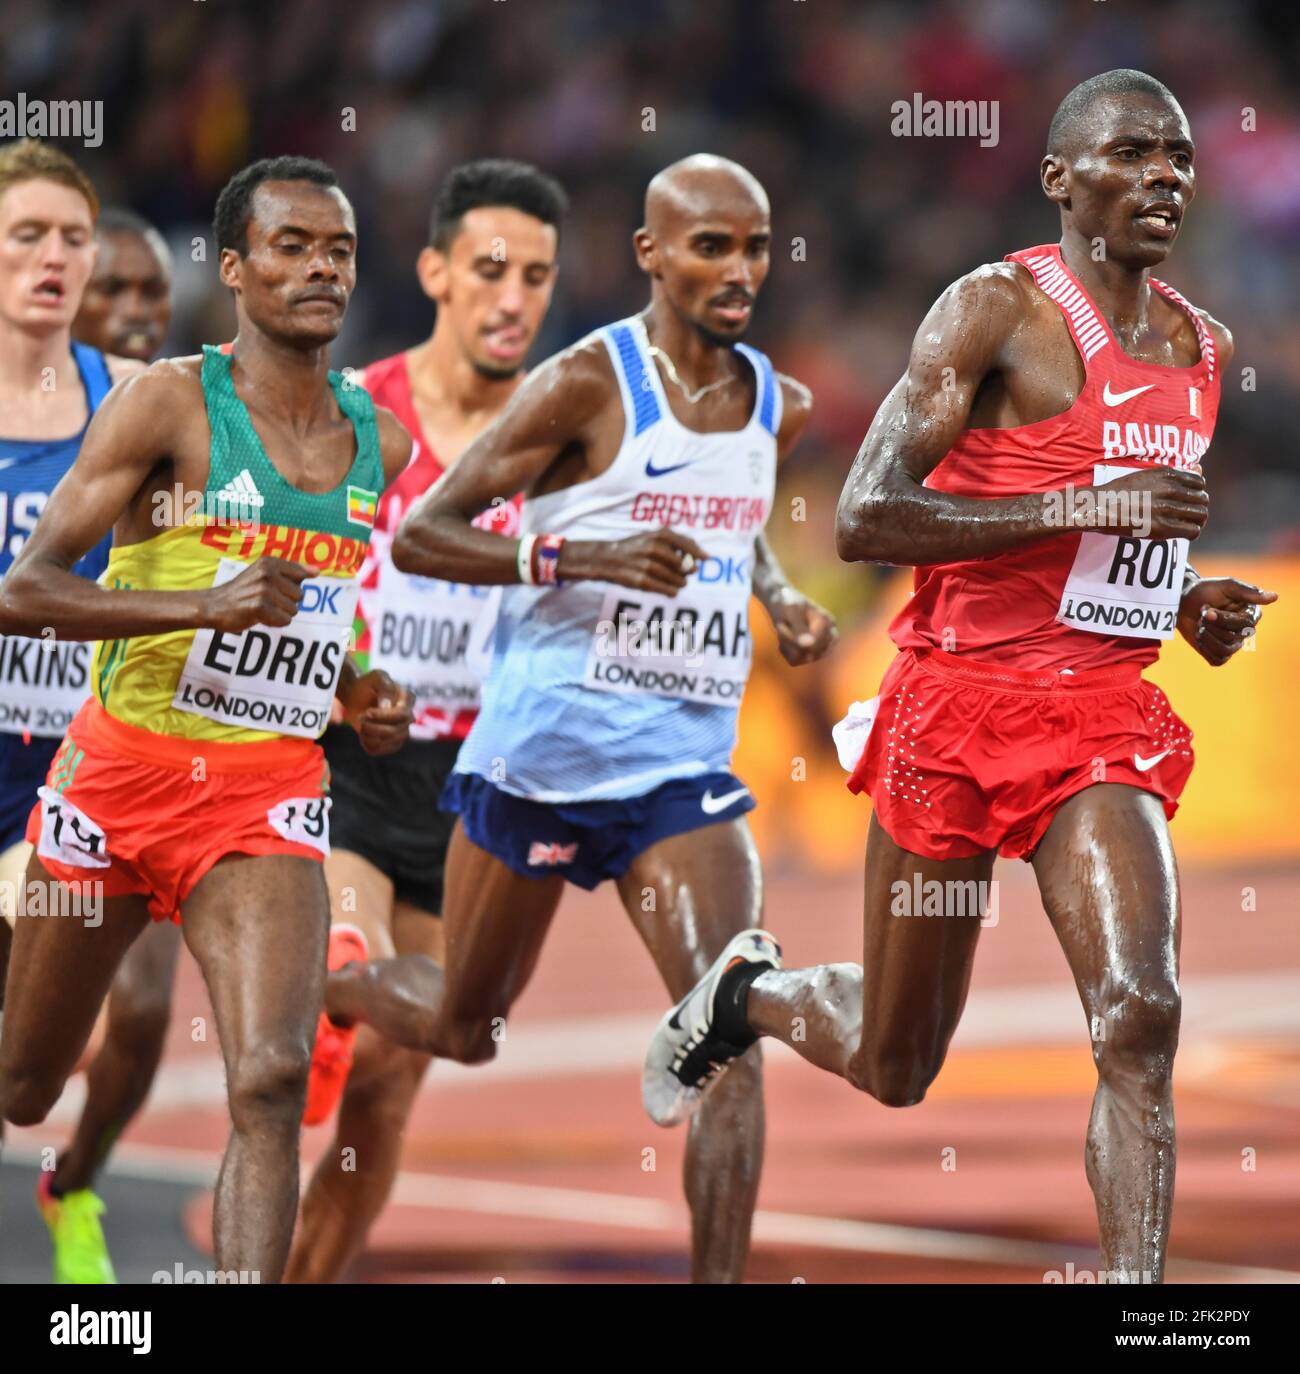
x=604 y=94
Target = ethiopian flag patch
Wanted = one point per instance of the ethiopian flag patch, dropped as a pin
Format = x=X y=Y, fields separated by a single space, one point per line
x=362 y=506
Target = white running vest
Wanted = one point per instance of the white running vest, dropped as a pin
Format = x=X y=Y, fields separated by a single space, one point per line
x=599 y=691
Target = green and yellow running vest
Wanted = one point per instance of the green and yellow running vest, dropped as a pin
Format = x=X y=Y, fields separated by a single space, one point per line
x=263 y=681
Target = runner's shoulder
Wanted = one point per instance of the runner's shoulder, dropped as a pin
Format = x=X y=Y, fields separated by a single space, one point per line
x=997 y=296
x=796 y=407
x=573 y=386
x=585 y=366
x=119 y=368
x=181 y=375
x=1224 y=344
x=795 y=396
x=395 y=442
x=159 y=393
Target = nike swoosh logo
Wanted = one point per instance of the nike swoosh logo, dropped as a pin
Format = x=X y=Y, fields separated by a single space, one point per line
x=1145 y=765
x=711 y=805
x=652 y=471
x=1117 y=398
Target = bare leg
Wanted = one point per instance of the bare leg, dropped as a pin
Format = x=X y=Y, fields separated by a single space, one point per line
x=13 y=871
x=121 y=1074
x=1109 y=882
x=687 y=896
x=13 y=867
x=884 y=1025
x=60 y=969
x=349 y=1190
x=6 y=945
x=495 y=923
x=258 y=927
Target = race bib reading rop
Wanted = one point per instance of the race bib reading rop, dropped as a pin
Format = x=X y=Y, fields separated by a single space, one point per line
x=279 y=678
x=1122 y=585
x=434 y=637
x=693 y=646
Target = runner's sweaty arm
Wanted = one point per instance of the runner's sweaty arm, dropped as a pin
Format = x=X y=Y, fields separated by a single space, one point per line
x=804 y=630
x=979 y=327
x=561 y=413
x=138 y=427
x=141 y=425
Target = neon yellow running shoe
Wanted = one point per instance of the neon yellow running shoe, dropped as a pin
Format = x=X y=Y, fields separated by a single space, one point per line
x=80 y=1250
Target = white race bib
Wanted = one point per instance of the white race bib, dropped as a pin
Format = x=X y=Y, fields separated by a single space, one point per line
x=279 y=678
x=304 y=820
x=68 y=835
x=1122 y=585
x=433 y=637
x=43 y=683
x=694 y=646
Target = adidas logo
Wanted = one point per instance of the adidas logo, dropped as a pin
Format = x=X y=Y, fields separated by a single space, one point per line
x=241 y=490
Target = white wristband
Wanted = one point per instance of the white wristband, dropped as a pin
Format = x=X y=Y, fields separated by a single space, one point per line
x=524 y=559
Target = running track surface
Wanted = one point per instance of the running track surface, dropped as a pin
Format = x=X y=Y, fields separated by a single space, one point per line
x=542 y=1166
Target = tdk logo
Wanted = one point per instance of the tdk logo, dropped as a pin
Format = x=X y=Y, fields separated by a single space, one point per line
x=713 y=570
x=318 y=599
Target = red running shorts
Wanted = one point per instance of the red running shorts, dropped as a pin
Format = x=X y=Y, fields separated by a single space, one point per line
x=963 y=756
x=146 y=813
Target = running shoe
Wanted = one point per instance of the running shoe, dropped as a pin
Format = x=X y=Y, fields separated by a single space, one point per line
x=705 y=1031
x=80 y=1250
x=331 y=1059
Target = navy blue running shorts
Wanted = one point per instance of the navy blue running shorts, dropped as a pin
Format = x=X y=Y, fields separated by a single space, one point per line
x=588 y=841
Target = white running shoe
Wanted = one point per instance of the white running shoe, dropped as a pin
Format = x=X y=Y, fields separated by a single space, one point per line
x=687 y=1055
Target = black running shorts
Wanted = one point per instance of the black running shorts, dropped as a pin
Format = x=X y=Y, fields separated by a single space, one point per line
x=386 y=810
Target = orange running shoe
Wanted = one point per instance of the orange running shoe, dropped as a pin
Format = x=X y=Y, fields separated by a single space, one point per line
x=331 y=1059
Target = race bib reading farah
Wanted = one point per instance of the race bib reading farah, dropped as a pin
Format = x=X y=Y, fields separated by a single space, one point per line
x=279 y=678
x=43 y=683
x=1122 y=585
x=693 y=646
x=434 y=637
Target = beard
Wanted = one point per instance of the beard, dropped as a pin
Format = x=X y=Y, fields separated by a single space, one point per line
x=497 y=372
x=715 y=340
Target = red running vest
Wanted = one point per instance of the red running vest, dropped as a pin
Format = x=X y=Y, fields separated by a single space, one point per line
x=1084 y=600
x=389 y=384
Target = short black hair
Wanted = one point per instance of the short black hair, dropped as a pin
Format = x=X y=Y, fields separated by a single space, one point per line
x=235 y=203
x=1122 y=81
x=117 y=219
x=494 y=181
